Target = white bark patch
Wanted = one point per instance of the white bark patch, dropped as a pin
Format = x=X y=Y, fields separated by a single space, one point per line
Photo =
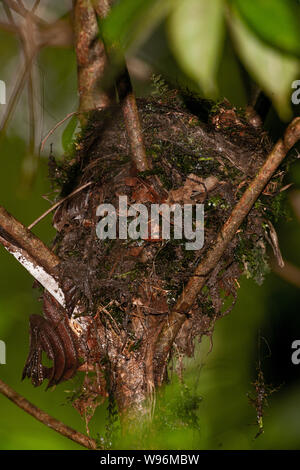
x=48 y=282
x=39 y=273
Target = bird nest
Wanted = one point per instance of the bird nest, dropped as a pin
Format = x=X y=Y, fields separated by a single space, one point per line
x=191 y=163
x=119 y=292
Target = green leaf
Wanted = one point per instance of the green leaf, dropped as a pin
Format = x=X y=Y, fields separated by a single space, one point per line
x=131 y=21
x=196 y=36
x=273 y=70
x=275 y=21
x=67 y=135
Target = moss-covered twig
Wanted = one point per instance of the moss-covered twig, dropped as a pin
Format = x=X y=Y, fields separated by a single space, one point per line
x=229 y=229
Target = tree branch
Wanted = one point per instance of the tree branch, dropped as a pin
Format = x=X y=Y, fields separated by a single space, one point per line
x=229 y=229
x=127 y=98
x=132 y=122
x=91 y=58
x=45 y=418
x=31 y=252
x=22 y=11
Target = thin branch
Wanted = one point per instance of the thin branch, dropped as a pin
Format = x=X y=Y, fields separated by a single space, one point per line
x=102 y=7
x=229 y=229
x=22 y=11
x=54 y=129
x=57 y=34
x=18 y=88
x=30 y=51
x=132 y=122
x=46 y=419
x=57 y=204
x=35 y=6
x=127 y=98
x=8 y=13
x=29 y=47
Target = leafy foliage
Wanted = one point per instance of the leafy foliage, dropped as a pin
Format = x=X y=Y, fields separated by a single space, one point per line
x=275 y=21
x=273 y=70
x=265 y=35
x=196 y=37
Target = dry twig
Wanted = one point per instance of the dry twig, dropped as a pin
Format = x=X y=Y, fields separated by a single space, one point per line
x=54 y=129
x=45 y=418
x=57 y=204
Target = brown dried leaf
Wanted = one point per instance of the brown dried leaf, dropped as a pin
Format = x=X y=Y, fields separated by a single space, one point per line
x=194 y=189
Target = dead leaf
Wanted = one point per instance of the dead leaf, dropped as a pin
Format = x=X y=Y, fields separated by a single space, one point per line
x=194 y=189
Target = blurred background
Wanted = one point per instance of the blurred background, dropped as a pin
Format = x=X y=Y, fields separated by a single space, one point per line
x=211 y=408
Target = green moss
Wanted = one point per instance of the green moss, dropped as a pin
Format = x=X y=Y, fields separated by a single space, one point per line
x=177 y=409
x=217 y=202
x=159 y=86
x=278 y=207
x=253 y=259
